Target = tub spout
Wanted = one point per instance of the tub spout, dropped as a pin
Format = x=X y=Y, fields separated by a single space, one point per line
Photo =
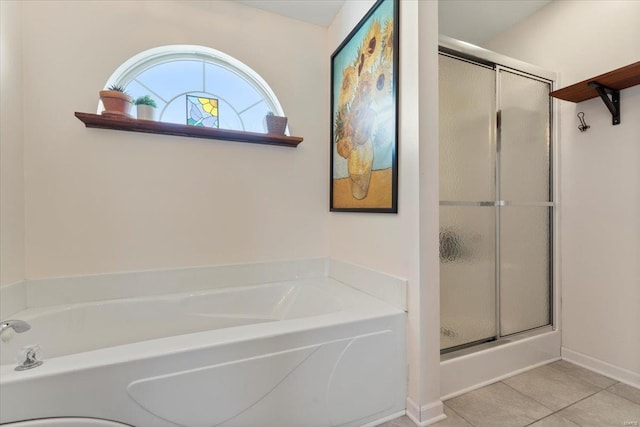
x=17 y=325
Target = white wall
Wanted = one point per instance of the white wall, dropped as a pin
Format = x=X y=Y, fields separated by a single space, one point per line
x=599 y=198
x=406 y=244
x=105 y=201
x=11 y=146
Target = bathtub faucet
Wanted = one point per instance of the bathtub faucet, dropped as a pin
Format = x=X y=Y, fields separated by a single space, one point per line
x=17 y=325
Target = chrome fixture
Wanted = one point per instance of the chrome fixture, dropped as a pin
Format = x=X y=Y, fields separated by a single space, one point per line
x=18 y=326
x=28 y=354
x=29 y=357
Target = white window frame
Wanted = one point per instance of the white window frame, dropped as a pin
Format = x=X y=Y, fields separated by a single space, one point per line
x=139 y=63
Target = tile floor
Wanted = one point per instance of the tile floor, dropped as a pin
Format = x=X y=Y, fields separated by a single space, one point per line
x=559 y=394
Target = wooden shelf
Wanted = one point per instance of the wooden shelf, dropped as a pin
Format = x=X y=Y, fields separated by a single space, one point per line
x=147 y=126
x=619 y=79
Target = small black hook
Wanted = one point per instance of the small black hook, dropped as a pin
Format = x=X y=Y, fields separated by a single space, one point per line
x=583 y=126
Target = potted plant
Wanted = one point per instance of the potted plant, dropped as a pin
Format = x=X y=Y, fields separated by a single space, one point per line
x=116 y=101
x=275 y=124
x=145 y=108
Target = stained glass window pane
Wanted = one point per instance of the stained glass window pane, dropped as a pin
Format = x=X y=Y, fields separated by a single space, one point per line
x=202 y=111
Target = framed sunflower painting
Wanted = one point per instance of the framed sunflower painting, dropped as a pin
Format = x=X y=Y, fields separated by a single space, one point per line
x=364 y=115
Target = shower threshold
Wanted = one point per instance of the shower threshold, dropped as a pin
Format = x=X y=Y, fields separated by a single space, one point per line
x=465 y=349
x=473 y=367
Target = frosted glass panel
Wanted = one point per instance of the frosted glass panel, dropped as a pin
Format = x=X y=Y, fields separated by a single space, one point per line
x=473 y=168
x=467 y=126
x=524 y=153
x=467 y=275
x=524 y=268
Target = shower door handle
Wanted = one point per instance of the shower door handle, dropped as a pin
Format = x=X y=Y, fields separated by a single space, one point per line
x=503 y=203
x=494 y=203
x=489 y=203
x=461 y=203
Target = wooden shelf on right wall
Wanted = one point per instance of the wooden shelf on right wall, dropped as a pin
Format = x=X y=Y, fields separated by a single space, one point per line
x=607 y=86
x=619 y=79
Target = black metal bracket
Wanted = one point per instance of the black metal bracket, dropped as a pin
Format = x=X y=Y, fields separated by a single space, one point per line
x=612 y=104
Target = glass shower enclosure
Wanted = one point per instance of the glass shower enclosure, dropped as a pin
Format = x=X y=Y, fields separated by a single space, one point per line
x=496 y=202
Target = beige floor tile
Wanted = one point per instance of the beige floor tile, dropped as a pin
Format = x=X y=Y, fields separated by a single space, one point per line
x=554 y=421
x=403 y=421
x=582 y=373
x=602 y=410
x=497 y=405
x=530 y=398
x=626 y=391
x=453 y=419
x=551 y=387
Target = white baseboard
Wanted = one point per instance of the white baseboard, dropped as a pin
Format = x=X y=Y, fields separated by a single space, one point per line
x=617 y=373
x=427 y=414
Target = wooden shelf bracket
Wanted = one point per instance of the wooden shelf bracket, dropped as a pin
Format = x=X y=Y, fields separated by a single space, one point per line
x=612 y=104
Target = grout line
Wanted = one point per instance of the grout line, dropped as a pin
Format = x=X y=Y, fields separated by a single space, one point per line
x=568 y=406
x=554 y=412
x=551 y=409
x=543 y=418
x=582 y=379
x=618 y=395
x=616 y=383
x=458 y=414
x=527 y=396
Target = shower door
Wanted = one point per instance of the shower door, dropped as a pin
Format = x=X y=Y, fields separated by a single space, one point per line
x=495 y=202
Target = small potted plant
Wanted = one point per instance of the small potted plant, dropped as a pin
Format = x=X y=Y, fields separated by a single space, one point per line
x=275 y=124
x=116 y=101
x=145 y=108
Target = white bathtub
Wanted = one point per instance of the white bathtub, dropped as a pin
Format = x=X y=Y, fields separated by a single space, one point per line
x=310 y=352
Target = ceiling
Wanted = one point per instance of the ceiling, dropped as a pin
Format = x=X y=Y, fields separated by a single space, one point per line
x=473 y=21
x=478 y=21
x=319 y=12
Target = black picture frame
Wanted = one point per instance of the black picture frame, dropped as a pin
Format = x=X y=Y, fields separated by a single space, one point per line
x=364 y=114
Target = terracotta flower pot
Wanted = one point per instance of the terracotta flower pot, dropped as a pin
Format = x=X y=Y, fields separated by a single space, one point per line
x=276 y=124
x=116 y=103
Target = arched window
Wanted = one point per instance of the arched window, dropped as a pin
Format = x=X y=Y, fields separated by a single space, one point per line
x=169 y=73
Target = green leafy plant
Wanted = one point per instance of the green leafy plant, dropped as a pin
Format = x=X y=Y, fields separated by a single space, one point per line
x=146 y=100
x=272 y=114
x=116 y=88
